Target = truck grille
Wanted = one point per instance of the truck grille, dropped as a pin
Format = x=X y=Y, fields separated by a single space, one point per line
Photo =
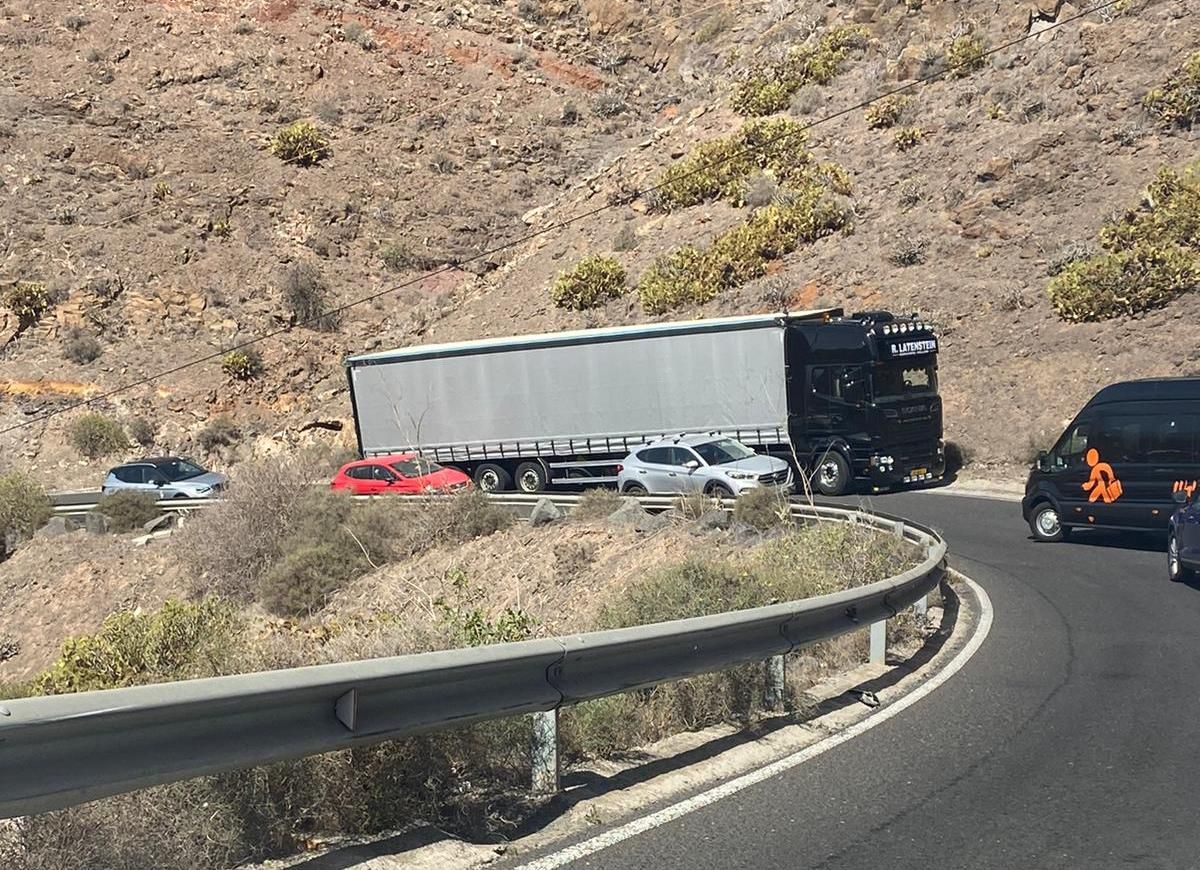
x=774 y=478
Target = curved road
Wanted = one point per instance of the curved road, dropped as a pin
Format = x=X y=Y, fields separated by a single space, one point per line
x=1070 y=740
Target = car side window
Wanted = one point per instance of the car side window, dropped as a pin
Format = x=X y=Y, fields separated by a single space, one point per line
x=130 y=474
x=153 y=475
x=681 y=456
x=359 y=472
x=656 y=456
x=381 y=473
x=1119 y=438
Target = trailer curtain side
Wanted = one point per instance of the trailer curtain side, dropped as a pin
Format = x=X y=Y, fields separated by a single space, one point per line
x=537 y=399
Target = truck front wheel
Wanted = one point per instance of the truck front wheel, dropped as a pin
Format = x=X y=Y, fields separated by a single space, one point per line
x=490 y=477
x=531 y=477
x=832 y=474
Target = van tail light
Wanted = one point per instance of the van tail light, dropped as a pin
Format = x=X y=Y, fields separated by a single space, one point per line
x=620 y=468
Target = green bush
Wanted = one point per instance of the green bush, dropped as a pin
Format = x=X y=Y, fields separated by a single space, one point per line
x=767 y=86
x=886 y=112
x=301 y=143
x=398 y=256
x=592 y=282
x=242 y=365
x=470 y=625
x=690 y=276
x=24 y=506
x=1169 y=213
x=908 y=137
x=722 y=168
x=219 y=432
x=29 y=300
x=762 y=509
x=675 y=280
x=128 y=510
x=1123 y=282
x=1152 y=254
x=965 y=56
x=179 y=641
x=95 y=435
x=1178 y=103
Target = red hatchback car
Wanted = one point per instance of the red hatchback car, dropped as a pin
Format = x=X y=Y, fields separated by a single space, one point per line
x=406 y=473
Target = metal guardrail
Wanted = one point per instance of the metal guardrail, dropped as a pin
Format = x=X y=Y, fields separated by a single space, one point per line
x=61 y=750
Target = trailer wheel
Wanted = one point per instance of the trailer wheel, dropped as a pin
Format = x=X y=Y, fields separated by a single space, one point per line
x=531 y=477
x=832 y=474
x=490 y=477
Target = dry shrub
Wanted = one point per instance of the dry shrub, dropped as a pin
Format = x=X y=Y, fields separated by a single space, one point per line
x=219 y=432
x=142 y=431
x=95 y=435
x=128 y=510
x=965 y=55
x=232 y=543
x=307 y=298
x=80 y=347
x=597 y=504
x=29 y=300
x=243 y=364
x=762 y=508
x=24 y=507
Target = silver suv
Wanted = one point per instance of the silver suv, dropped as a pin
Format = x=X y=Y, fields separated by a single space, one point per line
x=165 y=477
x=709 y=464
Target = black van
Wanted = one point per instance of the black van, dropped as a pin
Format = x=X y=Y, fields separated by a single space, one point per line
x=1120 y=461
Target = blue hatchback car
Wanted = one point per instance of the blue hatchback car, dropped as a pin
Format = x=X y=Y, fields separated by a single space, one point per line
x=1183 y=537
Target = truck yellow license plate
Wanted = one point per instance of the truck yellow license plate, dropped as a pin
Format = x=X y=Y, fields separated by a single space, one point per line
x=917 y=472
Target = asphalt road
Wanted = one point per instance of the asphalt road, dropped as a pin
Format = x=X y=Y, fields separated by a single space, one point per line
x=1070 y=740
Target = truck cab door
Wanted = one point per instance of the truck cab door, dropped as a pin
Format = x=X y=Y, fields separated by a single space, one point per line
x=837 y=400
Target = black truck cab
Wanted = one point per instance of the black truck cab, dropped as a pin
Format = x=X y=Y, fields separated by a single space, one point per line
x=863 y=399
x=1120 y=461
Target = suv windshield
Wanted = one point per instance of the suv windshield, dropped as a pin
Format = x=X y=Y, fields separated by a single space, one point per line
x=178 y=469
x=723 y=451
x=418 y=466
x=897 y=380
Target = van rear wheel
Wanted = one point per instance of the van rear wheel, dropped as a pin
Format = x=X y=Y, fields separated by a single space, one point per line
x=490 y=477
x=1045 y=524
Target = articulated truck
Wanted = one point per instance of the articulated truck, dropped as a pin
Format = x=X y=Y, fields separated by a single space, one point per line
x=846 y=400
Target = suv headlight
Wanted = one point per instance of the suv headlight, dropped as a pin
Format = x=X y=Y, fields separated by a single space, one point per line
x=741 y=475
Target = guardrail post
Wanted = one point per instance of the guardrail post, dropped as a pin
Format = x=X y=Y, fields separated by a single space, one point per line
x=544 y=751
x=776 y=677
x=878 y=642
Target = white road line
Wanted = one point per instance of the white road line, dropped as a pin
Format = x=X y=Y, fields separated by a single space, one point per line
x=704 y=799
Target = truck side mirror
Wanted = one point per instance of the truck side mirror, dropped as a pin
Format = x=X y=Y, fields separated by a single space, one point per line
x=1180 y=496
x=1043 y=460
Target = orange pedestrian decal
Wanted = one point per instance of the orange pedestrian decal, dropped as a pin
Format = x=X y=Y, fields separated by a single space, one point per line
x=1188 y=486
x=1102 y=484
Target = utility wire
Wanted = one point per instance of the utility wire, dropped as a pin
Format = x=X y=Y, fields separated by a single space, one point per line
x=625 y=200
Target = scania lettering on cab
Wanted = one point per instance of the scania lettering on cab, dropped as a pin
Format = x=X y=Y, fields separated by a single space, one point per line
x=1120 y=462
x=843 y=398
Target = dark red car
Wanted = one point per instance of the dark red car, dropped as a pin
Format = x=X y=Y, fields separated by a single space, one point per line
x=406 y=473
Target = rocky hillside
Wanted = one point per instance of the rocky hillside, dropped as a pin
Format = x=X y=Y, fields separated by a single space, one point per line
x=151 y=214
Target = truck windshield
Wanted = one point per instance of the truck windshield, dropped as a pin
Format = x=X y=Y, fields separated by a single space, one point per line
x=897 y=380
x=723 y=451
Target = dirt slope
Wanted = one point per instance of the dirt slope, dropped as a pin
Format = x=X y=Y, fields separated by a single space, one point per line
x=137 y=185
